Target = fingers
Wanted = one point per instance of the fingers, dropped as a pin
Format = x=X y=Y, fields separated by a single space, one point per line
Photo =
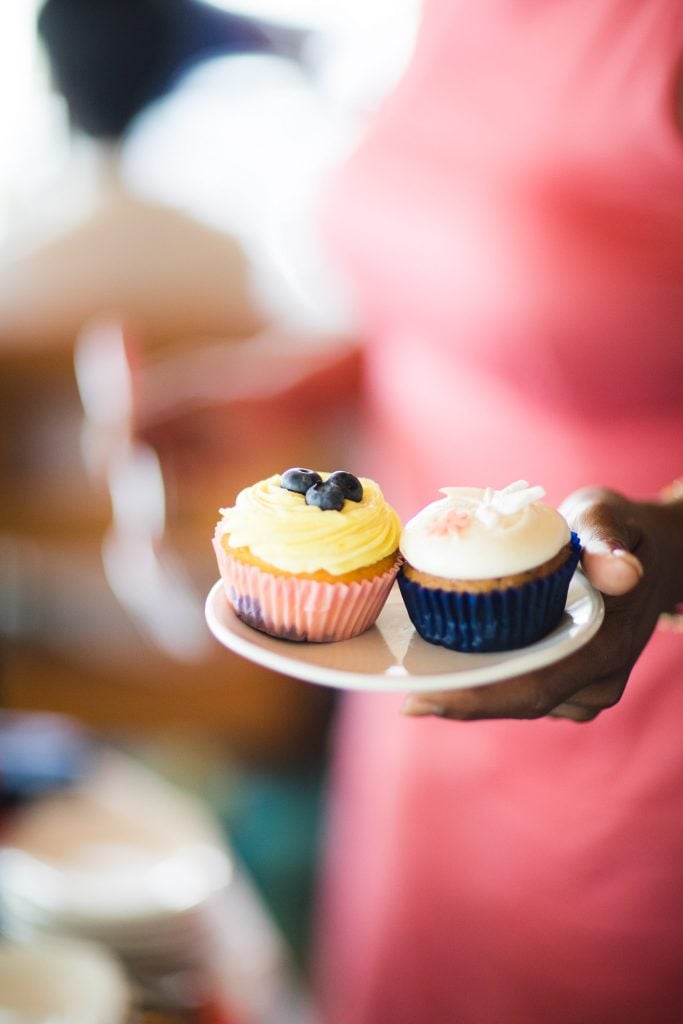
x=609 y=537
x=574 y=714
x=527 y=697
x=604 y=664
x=615 y=572
x=586 y=704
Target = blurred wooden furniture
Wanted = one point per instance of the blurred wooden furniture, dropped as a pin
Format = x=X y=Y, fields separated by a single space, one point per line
x=68 y=646
x=170 y=274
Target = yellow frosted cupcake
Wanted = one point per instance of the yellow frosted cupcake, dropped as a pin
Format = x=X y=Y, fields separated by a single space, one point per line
x=309 y=556
x=487 y=570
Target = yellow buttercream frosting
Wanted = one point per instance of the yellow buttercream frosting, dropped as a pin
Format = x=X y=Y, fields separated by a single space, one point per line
x=280 y=529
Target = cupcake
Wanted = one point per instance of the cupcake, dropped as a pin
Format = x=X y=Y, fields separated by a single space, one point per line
x=487 y=570
x=309 y=556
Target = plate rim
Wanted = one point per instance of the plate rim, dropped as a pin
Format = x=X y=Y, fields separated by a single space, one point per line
x=543 y=653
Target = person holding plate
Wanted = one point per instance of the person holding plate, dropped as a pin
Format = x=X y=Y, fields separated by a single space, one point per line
x=512 y=226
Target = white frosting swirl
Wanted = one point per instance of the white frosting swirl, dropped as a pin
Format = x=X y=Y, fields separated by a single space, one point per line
x=477 y=533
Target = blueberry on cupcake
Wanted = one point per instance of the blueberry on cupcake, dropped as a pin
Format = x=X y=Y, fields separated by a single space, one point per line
x=307 y=555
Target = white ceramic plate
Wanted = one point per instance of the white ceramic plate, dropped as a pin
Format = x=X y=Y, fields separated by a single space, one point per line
x=392 y=657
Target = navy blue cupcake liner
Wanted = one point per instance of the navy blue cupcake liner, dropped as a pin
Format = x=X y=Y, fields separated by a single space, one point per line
x=498 y=620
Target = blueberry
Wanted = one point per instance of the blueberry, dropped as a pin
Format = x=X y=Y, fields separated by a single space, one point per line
x=326 y=496
x=351 y=486
x=299 y=480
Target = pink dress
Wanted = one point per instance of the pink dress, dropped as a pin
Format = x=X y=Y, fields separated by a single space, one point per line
x=514 y=227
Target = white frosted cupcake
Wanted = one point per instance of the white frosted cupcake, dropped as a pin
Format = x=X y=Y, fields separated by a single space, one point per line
x=487 y=570
x=309 y=556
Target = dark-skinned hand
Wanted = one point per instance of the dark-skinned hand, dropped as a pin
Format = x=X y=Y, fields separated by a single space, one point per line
x=633 y=554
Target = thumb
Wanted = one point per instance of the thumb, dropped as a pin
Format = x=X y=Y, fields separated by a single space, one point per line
x=608 y=536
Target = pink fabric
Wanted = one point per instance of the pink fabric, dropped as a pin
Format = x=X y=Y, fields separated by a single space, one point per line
x=514 y=227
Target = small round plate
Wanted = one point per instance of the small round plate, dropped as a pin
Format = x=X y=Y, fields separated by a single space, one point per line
x=393 y=658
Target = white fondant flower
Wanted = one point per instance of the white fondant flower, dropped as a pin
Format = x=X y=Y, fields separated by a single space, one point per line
x=495 y=505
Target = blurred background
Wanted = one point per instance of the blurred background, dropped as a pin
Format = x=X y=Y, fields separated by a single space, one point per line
x=162 y=800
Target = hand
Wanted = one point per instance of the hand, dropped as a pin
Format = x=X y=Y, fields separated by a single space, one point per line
x=633 y=553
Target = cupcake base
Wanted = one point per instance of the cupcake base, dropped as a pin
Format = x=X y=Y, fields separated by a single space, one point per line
x=495 y=620
x=303 y=610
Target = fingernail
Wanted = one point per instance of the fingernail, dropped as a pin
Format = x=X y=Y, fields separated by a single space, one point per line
x=595 y=546
x=418 y=706
x=630 y=559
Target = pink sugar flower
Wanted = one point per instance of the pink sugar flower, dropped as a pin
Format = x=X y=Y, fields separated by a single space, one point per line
x=450 y=521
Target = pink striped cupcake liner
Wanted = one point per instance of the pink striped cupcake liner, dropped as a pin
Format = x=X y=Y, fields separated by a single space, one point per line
x=298 y=609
